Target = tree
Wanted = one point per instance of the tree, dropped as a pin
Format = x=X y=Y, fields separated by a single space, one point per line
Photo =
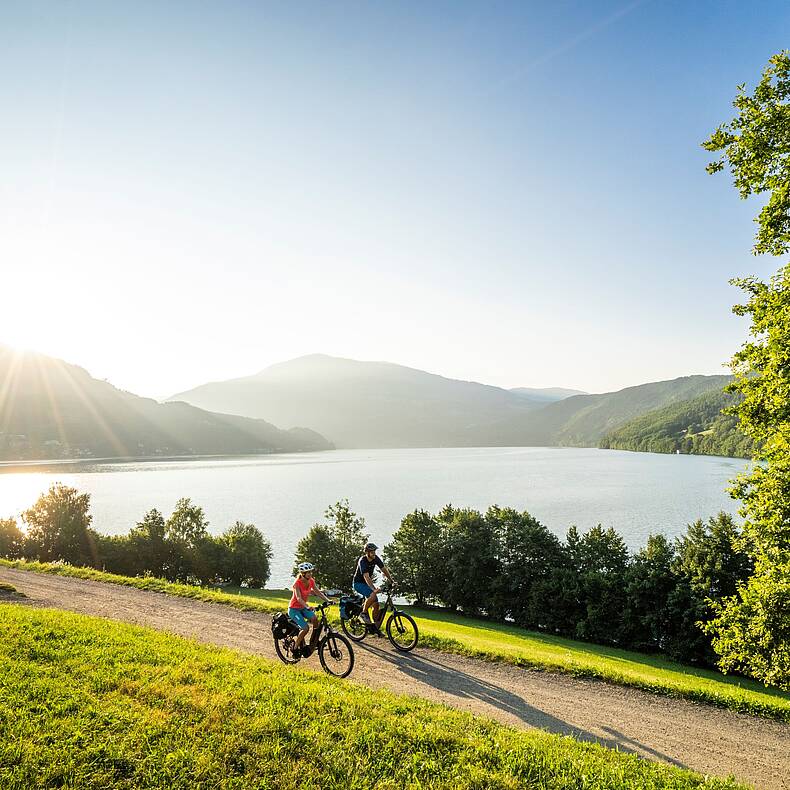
x=335 y=546
x=416 y=557
x=148 y=545
x=600 y=558
x=246 y=555
x=529 y=555
x=186 y=532
x=57 y=527
x=751 y=630
x=708 y=566
x=650 y=582
x=11 y=539
x=472 y=559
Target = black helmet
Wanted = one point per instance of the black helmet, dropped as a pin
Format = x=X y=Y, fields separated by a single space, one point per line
x=370 y=547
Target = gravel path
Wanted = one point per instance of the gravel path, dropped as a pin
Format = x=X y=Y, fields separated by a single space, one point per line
x=687 y=734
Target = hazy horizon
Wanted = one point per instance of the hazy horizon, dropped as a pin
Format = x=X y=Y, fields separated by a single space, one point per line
x=510 y=193
x=252 y=373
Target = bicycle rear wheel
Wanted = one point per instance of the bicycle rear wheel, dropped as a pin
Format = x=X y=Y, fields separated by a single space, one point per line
x=354 y=628
x=284 y=649
x=402 y=631
x=336 y=655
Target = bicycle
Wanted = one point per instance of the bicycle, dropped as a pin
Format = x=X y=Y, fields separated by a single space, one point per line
x=401 y=629
x=334 y=650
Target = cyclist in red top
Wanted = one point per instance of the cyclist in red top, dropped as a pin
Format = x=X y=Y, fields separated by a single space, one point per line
x=298 y=609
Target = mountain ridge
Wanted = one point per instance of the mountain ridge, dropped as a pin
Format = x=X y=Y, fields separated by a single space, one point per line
x=359 y=404
x=52 y=409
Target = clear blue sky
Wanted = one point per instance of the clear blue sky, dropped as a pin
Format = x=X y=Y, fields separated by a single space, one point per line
x=507 y=192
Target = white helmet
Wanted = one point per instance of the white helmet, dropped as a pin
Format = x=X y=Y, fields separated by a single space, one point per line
x=305 y=566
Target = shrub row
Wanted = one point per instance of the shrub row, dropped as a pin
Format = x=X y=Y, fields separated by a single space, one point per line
x=178 y=548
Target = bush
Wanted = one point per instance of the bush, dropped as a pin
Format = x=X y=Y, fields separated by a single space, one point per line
x=416 y=557
x=12 y=540
x=57 y=527
x=245 y=555
x=335 y=546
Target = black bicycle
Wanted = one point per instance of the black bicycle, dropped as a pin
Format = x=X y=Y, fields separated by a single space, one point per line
x=400 y=627
x=334 y=650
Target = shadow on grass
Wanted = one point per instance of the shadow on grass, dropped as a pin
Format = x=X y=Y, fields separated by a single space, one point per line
x=463 y=685
x=615 y=654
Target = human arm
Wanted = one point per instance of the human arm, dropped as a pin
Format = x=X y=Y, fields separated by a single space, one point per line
x=298 y=594
x=319 y=592
x=369 y=581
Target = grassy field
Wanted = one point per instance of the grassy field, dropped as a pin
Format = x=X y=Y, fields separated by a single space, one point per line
x=89 y=703
x=498 y=642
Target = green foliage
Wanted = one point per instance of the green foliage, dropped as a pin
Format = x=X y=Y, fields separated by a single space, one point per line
x=507 y=565
x=57 y=527
x=529 y=556
x=130 y=707
x=416 y=557
x=700 y=426
x=751 y=631
x=754 y=146
x=12 y=540
x=334 y=546
x=599 y=559
x=179 y=549
x=650 y=582
x=148 y=544
x=186 y=532
x=246 y=555
x=472 y=560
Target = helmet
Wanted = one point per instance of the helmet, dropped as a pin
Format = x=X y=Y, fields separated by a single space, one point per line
x=370 y=547
x=302 y=567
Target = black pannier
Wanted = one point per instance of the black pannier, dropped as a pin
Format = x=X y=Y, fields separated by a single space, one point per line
x=283 y=626
x=350 y=606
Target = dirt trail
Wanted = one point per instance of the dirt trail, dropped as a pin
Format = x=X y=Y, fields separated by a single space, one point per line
x=687 y=734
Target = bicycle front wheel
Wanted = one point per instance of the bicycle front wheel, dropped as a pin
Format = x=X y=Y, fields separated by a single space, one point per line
x=354 y=628
x=402 y=631
x=337 y=655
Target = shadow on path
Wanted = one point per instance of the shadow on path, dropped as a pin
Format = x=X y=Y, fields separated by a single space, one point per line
x=463 y=685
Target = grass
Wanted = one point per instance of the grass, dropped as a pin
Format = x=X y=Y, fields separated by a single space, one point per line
x=460 y=635
x=90 y=703
x=7 y=588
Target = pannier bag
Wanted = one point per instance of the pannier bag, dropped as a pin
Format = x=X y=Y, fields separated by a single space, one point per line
x=282 y=626
x=350 y=606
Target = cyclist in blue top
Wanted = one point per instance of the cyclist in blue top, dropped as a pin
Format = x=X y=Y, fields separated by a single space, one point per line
x=363 y=581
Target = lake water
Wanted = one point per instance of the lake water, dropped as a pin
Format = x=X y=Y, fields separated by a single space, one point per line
x=636 y=493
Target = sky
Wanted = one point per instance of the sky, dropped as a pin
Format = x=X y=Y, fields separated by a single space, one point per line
x=505 y=192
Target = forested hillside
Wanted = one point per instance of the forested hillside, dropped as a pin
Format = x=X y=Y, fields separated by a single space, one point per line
x=50 y=409
x=696 y=427
x=583 y=420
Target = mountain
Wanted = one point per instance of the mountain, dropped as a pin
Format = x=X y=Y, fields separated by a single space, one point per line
x=379 y=404
x=50 y=409
x=696 y=426
x=583 y=420
x=547 y=394
x=365 y=404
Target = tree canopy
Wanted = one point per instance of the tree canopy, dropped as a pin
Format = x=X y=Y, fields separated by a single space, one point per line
x=751 y=631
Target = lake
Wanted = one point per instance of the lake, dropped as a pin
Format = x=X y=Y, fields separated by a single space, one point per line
x=636 y=493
